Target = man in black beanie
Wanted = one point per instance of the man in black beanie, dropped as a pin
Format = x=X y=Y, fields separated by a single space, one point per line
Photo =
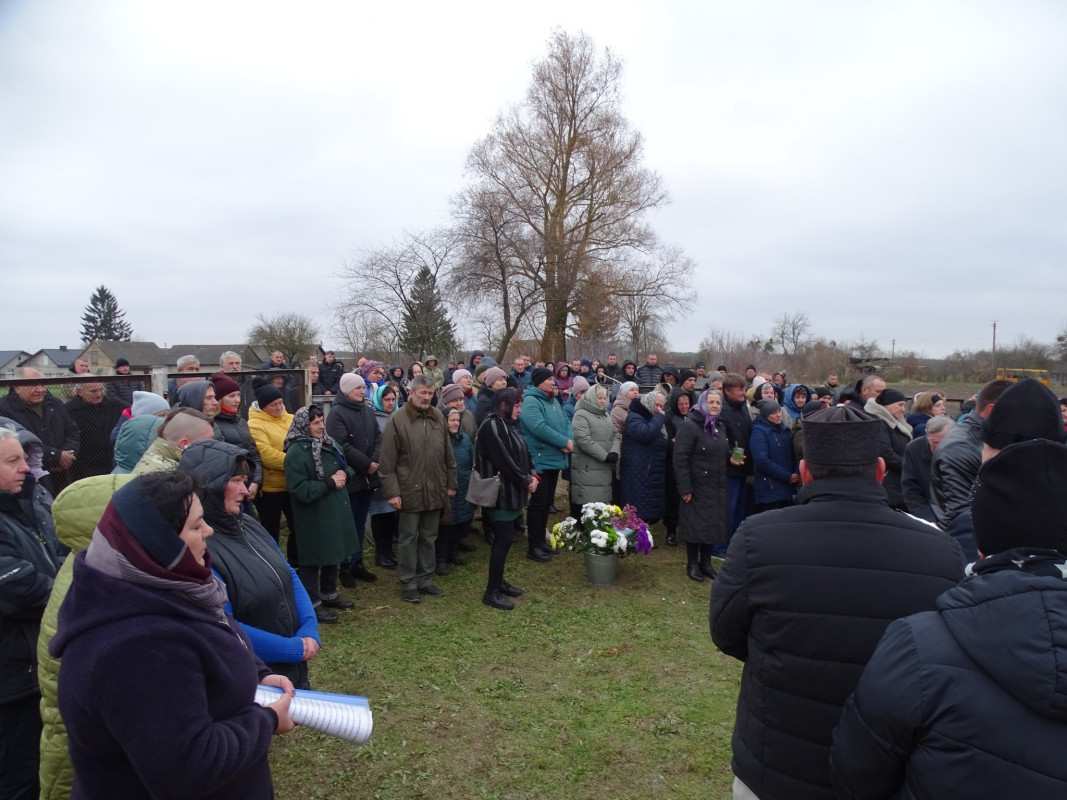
x=967 y=701
x=804 y=595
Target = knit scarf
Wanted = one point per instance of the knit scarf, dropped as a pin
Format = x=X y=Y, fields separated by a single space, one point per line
x=1032 y=560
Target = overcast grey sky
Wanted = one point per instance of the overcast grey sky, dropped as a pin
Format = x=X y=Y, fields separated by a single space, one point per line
x=894 y=170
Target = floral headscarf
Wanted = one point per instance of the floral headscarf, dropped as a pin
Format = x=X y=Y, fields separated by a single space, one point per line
x=709 y=420
x=369 y=367
x=301 y=429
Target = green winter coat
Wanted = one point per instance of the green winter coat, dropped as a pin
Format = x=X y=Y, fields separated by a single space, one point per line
x=76 y=512
x=594 y=438
x=417 y=464
x=325 y=531
x=545 y=428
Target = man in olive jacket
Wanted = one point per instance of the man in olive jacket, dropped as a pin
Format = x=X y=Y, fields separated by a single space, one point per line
x=418 y=474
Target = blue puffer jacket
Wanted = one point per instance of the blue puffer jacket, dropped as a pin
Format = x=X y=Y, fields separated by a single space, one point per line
x=772 y=460
x=643 y=463
x=463 y=450
x=968 y=700
x=545 y=428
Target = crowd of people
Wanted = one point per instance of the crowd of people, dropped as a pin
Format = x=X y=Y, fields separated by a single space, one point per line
x=176 y=505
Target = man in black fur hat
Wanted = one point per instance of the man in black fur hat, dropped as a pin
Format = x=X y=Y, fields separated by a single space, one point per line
x=805 y=594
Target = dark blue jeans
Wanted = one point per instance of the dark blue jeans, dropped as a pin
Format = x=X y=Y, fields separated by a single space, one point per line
x=360 y=502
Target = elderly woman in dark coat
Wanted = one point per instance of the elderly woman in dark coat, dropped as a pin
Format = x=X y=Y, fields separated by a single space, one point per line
x=701 y=451
x=450 y=534
x=679 y=402
x=316 y=474
x=644 y=456
x=893 y=442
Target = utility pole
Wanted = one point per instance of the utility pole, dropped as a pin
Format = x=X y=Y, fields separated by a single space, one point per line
x=994 y=357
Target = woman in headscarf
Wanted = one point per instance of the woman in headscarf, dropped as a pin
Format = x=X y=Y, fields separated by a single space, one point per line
x=384 y=519
x=450 y=534
x=264 y=594
x=564 y=380
x=643 y=463
x=624 y=394
x=679 y=403
x=316 y=474
x=157 y=683
x=373 y=373
x=501 y=449
x=701 y=452
x=596 y=450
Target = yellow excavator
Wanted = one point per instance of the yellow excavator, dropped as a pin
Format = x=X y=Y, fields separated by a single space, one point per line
x=1016 y=375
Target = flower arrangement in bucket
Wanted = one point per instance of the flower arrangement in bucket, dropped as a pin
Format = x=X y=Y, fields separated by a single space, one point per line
x=603 y=530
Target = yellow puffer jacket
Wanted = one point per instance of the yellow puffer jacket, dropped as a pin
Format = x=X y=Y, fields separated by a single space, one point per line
x=269 y=434
x=76 y=512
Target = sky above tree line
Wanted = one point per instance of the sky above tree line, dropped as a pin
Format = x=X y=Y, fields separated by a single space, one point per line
x=894 y=171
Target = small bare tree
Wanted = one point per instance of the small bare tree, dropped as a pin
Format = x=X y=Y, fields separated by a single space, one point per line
x=792 y=331
x=294 y=335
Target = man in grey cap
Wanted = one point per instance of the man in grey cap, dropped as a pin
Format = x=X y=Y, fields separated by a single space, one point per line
x=805 y=594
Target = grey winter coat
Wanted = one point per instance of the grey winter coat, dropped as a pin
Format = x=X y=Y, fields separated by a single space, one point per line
x=594 y=438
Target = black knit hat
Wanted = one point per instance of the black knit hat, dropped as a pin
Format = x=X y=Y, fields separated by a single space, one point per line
x=1027 y=410
x=540 y=375
x=1019 y=498
x=841 y=436
x=685 y=375
x=266 y=394
x=122 y=362
x=889 y=396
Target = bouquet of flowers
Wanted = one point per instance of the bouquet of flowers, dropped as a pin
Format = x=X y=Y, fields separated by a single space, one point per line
x=603 y=529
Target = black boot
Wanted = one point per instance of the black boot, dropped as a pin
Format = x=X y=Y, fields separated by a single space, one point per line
x=384 y=560
x=672 y=538
x=344 y=575
x=496 y=599
x=442 y=568
x=707 y=569
x=694 y=572
x=360 y=572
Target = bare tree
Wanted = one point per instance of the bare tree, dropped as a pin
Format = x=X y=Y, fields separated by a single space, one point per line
x=293 y=334
x=559 y=186
x=793 y=331
x=379 y=288
x=641 y=325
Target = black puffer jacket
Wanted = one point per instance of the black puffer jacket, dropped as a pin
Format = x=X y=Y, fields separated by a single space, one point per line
x=330 y=376
x=966 y=701
x=28 y=566
x=354 y=428
x=260 y=585
x=230 y=428
x=500 y=449
x=803 y=597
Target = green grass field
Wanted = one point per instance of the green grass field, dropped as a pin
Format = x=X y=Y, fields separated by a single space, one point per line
x=580 y=692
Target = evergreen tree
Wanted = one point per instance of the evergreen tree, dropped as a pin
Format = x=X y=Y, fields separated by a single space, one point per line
x=426 y=327
x=103 y=319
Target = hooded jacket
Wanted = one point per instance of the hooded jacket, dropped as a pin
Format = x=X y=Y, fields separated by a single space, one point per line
x=265 y=595
x=135 y=437
x=546 y=428
x=969 y=700
x=232 y=428
x=790 y=404
x=76 y=512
